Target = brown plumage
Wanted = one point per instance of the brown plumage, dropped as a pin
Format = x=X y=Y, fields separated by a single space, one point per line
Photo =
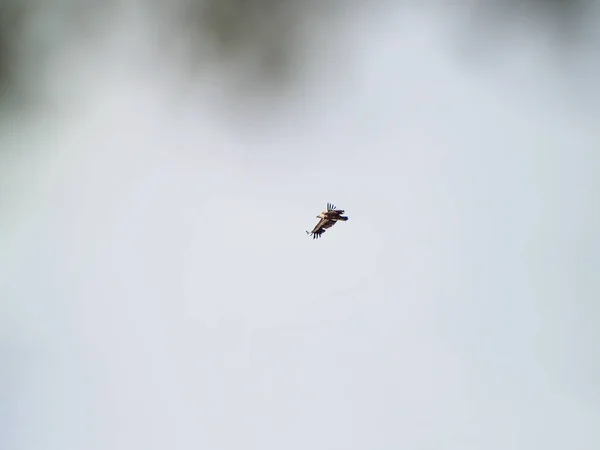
x=328 y=219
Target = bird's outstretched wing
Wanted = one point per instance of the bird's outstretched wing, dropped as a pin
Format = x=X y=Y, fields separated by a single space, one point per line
x=317 y=234
x=331 y=207
x=320 y=228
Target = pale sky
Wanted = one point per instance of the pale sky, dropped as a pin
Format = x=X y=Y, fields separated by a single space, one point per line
x=159 y=291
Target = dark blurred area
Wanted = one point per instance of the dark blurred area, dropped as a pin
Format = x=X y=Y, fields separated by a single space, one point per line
x=30 y=33
x=12 y=15
x=564 y=13
x=264 y=35
x=561 y=22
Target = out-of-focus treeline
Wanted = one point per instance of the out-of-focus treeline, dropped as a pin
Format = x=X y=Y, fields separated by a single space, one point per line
x=262 y=33
x=11 y=26
x=31 y=31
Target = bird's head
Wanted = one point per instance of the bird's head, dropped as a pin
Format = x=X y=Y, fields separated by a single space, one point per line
x=320 y=216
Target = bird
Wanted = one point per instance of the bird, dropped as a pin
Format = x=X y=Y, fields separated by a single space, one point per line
x=328 y=219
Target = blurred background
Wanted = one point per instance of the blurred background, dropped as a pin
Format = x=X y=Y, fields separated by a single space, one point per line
x=160 y=161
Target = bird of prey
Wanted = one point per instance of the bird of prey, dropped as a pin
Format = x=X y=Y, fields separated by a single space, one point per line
x=328 y=219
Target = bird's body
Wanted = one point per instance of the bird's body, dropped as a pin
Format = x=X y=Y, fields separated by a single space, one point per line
x=328 y=219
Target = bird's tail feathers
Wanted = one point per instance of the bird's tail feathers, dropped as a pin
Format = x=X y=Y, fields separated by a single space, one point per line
x=344 y=218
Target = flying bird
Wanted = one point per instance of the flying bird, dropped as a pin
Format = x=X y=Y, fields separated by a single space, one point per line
x=328 y=219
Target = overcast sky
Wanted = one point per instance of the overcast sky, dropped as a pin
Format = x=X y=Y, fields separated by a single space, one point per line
x=159 y=291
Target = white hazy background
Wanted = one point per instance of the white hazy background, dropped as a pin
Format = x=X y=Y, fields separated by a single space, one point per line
x=158 y=291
